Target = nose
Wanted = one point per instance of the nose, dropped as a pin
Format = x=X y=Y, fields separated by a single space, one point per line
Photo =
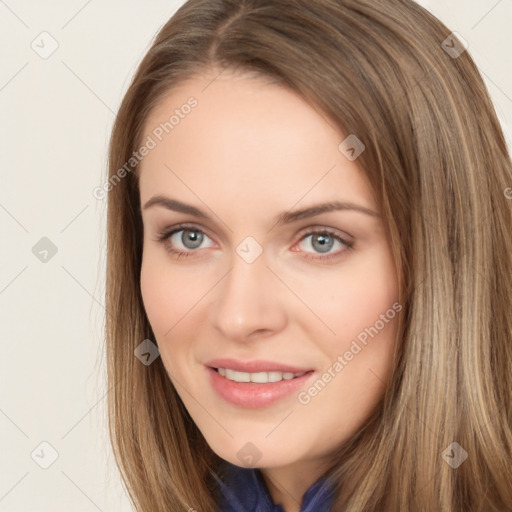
x=248 y=301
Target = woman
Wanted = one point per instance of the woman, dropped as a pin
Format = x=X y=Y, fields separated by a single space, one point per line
x=309 y=265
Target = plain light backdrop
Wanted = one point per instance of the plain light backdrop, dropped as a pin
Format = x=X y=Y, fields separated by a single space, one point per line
x=56 y=115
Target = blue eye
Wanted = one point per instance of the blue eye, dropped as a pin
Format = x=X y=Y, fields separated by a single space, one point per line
x=323 y=240
x=191 y=239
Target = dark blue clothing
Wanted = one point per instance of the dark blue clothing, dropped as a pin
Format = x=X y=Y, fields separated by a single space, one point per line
x=246 y=491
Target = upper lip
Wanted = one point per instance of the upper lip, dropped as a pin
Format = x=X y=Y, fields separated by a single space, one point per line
x=255 y=366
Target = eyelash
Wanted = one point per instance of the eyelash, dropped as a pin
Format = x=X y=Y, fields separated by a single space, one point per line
x=165 y=234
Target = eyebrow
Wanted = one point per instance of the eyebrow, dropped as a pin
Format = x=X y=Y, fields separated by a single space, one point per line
x=286 y=217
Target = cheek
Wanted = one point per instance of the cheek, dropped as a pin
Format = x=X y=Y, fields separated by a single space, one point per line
x=168 y=298
x=353 y=299
x=364 y=312
x=166 y=295
x=156 y=302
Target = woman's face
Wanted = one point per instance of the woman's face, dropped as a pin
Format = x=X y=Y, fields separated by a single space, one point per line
x=252 y=286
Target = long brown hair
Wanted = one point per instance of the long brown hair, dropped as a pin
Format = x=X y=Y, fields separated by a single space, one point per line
x=394 y=75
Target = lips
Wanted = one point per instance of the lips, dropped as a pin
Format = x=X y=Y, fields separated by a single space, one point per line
x=255 y=366
x=256 y=394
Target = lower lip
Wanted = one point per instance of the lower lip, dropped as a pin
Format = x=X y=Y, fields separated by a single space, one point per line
x=252 y=395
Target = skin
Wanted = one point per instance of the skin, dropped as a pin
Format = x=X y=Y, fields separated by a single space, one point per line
x=249 y=151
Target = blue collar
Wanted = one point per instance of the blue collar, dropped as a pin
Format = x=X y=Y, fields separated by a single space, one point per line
x=245 y=491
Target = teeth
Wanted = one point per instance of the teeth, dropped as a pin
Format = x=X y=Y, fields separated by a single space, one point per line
x=260 y=377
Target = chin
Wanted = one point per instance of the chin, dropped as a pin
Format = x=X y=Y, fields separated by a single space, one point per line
x=249 y=455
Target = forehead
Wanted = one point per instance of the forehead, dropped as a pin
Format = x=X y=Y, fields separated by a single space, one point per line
x=246 y=139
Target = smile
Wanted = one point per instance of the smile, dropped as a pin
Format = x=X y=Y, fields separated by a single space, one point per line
x=255 y=390
x=258 y=377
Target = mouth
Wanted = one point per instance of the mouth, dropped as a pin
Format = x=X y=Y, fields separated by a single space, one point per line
x=258 y=377
x=256 y=390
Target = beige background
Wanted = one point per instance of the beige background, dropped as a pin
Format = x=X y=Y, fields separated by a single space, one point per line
x=56 y=117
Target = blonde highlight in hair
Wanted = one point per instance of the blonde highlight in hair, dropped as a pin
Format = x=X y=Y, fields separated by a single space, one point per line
x=439 y=166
